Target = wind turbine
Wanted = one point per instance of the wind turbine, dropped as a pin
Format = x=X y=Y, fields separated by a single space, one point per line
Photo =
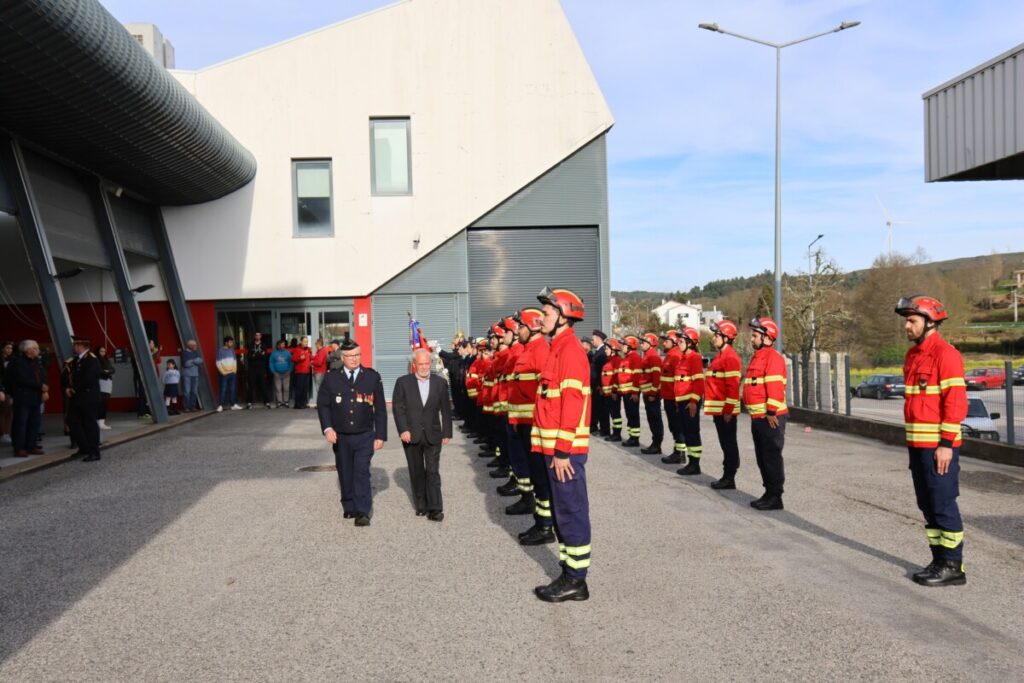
x=889 y=222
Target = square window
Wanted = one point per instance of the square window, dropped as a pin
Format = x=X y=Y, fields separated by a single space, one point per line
x=390 y=167
x=311 y=185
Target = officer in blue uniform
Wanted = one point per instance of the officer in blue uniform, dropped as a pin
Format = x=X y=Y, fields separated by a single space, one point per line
x=354 y=420
x=82 y=389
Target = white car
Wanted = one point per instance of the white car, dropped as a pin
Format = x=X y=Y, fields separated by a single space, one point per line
x=978 y=423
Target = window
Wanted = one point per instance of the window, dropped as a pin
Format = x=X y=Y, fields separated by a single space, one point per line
x=138 y=37
x=390 y=169
x=311 y=183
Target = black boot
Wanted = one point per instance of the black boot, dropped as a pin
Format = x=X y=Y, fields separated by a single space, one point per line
x=485 y=454
x=653 y=449
x=500 y=473
x=724 y=483
x=614 y=437
x=945 y=573
x=495 y=462
x=537 y=535
x=927 y=571
x=523 y=506
x=631 y=442
x=509 y=488
x=563 y=588
x=692 y=467
x=772 y=502
x=673 y=458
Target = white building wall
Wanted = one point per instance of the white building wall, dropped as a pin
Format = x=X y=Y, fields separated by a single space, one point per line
x=498 y=92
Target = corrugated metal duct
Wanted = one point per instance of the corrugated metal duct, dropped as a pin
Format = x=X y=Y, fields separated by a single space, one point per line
x=75 y=83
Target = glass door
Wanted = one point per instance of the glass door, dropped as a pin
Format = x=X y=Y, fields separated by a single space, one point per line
x=333 y=324
x=294 y=325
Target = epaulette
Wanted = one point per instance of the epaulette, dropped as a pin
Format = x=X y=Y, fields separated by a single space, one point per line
x=92 y=355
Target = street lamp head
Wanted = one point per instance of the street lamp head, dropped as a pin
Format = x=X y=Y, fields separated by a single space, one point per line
x=710 y=27
x=847 y=24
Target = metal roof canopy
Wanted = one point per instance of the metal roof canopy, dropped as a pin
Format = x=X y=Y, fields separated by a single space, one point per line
x=974 y=123
x=74 y=83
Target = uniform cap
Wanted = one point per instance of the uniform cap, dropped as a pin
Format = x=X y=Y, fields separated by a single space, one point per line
x=348 y=345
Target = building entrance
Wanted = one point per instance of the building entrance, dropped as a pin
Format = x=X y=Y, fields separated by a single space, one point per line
x=285 y=322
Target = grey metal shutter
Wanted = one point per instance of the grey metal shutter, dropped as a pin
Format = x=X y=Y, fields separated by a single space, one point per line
x=509 y=266
x=134 y=222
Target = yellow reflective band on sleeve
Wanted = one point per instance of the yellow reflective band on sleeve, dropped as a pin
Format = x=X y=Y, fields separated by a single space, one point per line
x=573 y=384
x=923 y=427
x=778 y=405
x=667 y=379
x=930 y=390
x=757 y=408
x=526 y=376
x=949 y=427
x=952 y=382
x=733 y=402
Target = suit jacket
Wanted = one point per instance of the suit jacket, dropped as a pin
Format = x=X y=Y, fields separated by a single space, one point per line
x=431 y=422
x=353 y=409
x=598 y=358
x=85 y=378
x=24 y=380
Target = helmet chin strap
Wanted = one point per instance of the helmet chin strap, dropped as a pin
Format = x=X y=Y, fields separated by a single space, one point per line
x=928 y=326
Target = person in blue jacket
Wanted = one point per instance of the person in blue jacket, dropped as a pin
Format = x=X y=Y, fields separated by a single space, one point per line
x=281 y=365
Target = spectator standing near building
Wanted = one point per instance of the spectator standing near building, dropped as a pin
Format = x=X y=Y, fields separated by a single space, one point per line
x=281 y=365
x=302 y=356
x=106 y=385
x=227 y=368
x=191 y=363
x=6 y=356
x=319 y=365
x=25 y=382
x=172 y=380
x=257 y=358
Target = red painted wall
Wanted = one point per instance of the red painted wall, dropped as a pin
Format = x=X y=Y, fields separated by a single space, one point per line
x=363 y=335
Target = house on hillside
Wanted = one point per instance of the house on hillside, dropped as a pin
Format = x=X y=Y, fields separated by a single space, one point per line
x=675 y=314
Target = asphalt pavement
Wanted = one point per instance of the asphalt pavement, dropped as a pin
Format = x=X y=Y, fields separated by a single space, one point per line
x=203 y=554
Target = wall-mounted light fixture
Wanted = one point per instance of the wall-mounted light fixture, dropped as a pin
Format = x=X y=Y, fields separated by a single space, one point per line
x=69 y=273
x=141 y=288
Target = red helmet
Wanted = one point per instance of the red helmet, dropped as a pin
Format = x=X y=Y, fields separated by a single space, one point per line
x=482 y=343
x=692 y=334
x=726 y=328
x=650 y=338
x=531 y=317
x=671 y=335
x=509 y=323
x=923 y=305
x=614 y=345
x=765 y=326
x=497 y=330
x=632 y=342
x=566 y=301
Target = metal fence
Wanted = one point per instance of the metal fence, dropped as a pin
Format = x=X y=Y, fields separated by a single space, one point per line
x=826 y=382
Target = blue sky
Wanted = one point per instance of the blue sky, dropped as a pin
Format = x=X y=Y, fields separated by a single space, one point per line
x=691 y=154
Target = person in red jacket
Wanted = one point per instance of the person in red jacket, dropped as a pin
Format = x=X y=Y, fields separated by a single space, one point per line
x=633 y=370
x=522 y=397
x=610 y=389
x=561 y=432
x=764 y=394
x=669 y=374
x=302 y=356
x=936 y=404
x=722 y=398
x=519 y=483
x=650 y=387
x=319 y=364
x=689 y=390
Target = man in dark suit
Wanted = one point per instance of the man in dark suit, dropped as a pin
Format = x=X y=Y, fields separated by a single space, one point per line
x=26 y=383
x=598 y=357
x=82 y=389
x=354 y=420
x=423 y=417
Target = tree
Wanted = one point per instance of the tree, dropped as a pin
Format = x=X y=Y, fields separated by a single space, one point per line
x=814 y=308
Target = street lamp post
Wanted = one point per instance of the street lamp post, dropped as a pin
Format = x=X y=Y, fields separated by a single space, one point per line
x=778 y=147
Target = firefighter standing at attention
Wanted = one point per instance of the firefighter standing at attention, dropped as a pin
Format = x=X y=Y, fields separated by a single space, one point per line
x=722 y=398
x=764 y=394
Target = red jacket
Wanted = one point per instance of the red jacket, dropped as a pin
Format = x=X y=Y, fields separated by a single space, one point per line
x=722 y=383
x=522 y=392
x=650 y=382
x=669 y=371
x=631 y=372
x=302 y=357
x=504 y=380
x=936 y=394
x=609 y=376
x=764 y=387
x=473 y=379
x=561 y=417
x=320 y=361
x=489 y=392
x=689 y=385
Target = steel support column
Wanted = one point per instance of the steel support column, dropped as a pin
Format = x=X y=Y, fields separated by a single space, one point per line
x=12 y=165
x=129 y=306
x=176 y=298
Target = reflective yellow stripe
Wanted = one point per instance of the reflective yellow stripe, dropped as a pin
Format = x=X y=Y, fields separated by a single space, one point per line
x=757 y=408
x=580 y=550
x=527 y=376
x=778 y=405
x=577 y=564
x=572 y=384
x=723 y=375
x=931 y=389
x=733 y=401
x=665 y=379
x=949 y=427
x=952 y=382
x=923 y=427
x=949 y=539
x=764 y=380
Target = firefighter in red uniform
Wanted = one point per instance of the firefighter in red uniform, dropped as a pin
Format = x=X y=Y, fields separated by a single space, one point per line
x=936 y=404
x=473 y=390
x=669 y=373
x=650 y=387
x=519 y=483
x=522 y=396
x=610 y=389
x=499 y=429
x=633 y=366
x=561 y=432
x=764 y=394
x=689 y=390
x=722 y=398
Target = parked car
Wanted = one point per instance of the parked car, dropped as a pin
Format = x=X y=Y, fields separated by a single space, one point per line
x=985 y=378
x=978 y=423
x=1018 y=375
x=880 y=386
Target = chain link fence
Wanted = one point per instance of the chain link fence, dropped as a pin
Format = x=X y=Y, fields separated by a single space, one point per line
x=826 y=382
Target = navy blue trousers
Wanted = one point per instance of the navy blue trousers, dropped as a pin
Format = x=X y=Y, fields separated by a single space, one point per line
x=517 y=457
x=538 y=479
x=675 y=426
x=571 y=510
x=768 y=444
x=730 y=449
x=936 y=498
x=632 y=410
x=652 y=406
x=25 y=420
x=352 y=456
x=691 y=429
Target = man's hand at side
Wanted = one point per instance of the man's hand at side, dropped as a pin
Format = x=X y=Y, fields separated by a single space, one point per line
x=331 y=436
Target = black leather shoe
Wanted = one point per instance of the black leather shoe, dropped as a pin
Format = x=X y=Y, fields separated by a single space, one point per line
x=673 y=459
x=495 y=462
x=758 y=501
x=420 y=513
x=348 y=515
x=479 y=439
x=563 y=588
x=510 y=488
x=692 y=467
x=485 y=454
x=653 y=449
x=945 y=573
x=362 y=520
x=595 y=432
x=435 y=516
x=723 y=484
x=92 y=457
x=523 y=506
x=537 y=535
x=768 y=503
x=926 y=572
x=613 y=438
x=500 y=473
x=631 y=442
